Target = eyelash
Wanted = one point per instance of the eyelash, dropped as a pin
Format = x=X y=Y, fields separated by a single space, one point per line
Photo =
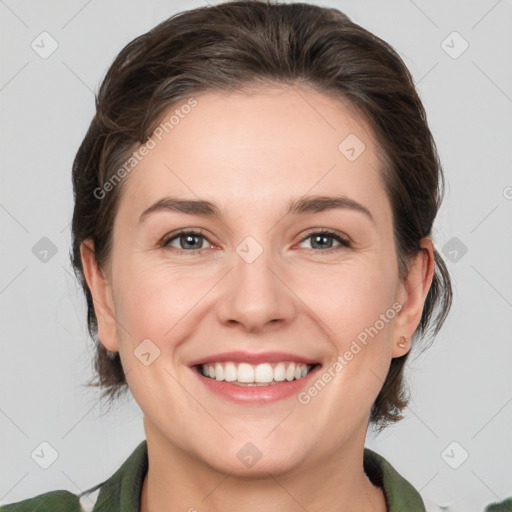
x=345 y=243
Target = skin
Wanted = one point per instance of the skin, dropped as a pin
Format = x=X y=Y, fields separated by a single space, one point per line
x=251 y=155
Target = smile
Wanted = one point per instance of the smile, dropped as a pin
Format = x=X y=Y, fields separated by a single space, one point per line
x=263 y=374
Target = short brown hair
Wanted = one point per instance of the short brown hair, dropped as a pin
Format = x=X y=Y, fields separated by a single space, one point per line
x=230 y=47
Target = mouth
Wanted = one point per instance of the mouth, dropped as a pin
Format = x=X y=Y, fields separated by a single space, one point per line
x=255 y=375
x=244 y=377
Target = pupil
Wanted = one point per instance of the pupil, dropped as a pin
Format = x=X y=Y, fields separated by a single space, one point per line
x=321 y=237
x=189 y=238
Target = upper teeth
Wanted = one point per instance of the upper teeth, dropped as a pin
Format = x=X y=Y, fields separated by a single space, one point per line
x=260 y=373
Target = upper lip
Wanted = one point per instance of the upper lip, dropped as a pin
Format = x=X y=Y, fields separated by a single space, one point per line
x=254 y=358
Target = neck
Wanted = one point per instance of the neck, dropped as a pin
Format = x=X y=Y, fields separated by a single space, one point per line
x=176 y=480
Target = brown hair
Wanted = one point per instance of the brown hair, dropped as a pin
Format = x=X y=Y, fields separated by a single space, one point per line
x=231 y=47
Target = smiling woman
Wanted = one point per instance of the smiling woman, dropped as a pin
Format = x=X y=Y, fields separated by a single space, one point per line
x=260 y=267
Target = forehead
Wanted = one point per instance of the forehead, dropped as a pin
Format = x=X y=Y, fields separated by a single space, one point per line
x=268 y=146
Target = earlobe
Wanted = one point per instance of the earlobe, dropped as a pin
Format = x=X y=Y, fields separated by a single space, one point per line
x=101 y=292
x=415 y=289
x=401 y=346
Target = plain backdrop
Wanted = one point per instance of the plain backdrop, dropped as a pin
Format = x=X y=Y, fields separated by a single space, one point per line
x=454 y=444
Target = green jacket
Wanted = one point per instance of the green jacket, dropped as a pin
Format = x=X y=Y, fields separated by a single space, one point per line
x=121 y=492
x=502 y=506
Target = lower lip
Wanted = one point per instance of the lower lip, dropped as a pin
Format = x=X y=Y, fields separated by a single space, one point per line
x=257 y=394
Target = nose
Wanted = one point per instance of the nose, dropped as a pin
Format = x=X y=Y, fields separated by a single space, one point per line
x=256 y=295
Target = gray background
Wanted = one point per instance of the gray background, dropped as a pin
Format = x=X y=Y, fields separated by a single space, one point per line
x=461 y=386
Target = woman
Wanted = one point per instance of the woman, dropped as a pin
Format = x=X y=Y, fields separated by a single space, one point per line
x=254 y=203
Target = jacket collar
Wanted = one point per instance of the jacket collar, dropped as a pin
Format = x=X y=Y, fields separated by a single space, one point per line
x=122 y=491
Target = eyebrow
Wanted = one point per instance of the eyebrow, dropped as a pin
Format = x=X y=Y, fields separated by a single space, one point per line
x=301 y=206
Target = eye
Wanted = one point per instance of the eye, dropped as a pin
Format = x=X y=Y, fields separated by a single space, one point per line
x=321 y=240
x=189 y=241
x=192 y=241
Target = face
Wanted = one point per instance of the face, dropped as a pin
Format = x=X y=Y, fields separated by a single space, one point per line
x=243 y=288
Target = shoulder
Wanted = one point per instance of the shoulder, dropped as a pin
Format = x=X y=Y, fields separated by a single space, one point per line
x=53 y=501
x=56 y=501
x=502 y=506
x=118 y=492
x=399 y=493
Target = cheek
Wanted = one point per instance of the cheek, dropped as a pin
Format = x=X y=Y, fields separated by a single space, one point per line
x=153 y=304
x=357 y=308
x=153 y=299
x=349 y=298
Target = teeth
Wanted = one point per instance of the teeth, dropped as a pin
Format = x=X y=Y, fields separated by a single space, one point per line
x=279 y=372
x=290 y=372
x=230 y=373
x=245 y=373
x=219 y=371
x=265 y=373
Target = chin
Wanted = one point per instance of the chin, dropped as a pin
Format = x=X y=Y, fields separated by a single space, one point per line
x=256 y=456
x=275 y=464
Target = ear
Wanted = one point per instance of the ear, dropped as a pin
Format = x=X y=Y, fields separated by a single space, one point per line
x=101 y=291
x=412 y=295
